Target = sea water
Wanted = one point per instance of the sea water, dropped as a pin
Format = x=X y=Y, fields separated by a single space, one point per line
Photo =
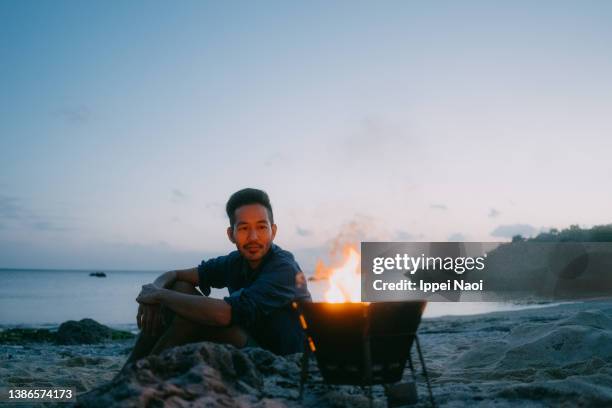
x=46 y=298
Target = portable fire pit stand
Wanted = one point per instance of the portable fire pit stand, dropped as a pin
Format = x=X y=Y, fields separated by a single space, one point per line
x=363 y=344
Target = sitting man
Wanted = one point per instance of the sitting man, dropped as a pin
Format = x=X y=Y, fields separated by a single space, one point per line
x=263 y=281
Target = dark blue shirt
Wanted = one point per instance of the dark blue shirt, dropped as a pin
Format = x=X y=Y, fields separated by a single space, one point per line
x=261 y=298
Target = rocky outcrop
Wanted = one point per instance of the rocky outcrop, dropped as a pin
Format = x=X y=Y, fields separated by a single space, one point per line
x=98 y=274
x=199 y=374
x=87 y=331
x=213 y=375
x=23 y=336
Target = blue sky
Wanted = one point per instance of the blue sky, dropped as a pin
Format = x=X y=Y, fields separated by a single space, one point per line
x=125 y=126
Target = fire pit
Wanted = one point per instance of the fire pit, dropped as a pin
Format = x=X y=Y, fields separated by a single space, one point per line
x=360 y=343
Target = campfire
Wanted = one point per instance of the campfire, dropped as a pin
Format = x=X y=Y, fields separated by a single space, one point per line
x=344 y=279
x=355 y=342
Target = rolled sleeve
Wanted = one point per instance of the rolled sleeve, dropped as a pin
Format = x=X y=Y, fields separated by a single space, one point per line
x=273 y=290
x=211 y=273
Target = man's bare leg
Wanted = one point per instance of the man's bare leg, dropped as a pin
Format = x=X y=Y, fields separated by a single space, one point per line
x=146 y=342
x=182 y=331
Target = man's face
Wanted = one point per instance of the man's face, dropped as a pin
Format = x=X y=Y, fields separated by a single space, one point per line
x=252 y=232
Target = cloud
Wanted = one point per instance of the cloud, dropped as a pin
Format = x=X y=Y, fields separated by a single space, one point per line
x=47 y=226
x=178 y=195
x=508 y=231
x=493 y=213
x=98 y=255
x=11 y=208
x=376 y=137
x=438 y=207
x=303 y=232
x=273 y=159
x=217 y=208
x=457 y=237
x=75 y=114
x=401 y=235
x=14 y=212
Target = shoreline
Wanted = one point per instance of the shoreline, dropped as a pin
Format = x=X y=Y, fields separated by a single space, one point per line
x=500 y=308
x=529 y=357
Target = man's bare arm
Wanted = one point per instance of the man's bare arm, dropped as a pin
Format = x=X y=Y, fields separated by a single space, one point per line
x=149 y=318
x=199 y=309
x=167 y=279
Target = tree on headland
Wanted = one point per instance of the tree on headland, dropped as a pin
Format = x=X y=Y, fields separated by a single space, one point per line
x=599 y=233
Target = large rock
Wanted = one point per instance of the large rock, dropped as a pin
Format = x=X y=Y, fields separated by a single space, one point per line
x=199 y=374
x=213 y=375
x=557 y=356
x=87 y=331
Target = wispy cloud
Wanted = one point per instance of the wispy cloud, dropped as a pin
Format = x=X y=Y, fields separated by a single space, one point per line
x=303 y=232
x=75 y=114
x=98 y=254
x=11 y=208
x=401 y=235
x=178 y=195
x=376 y=137
x=216 y=207
x=273 y=159
x=13 y=212
x=457 y=237
x=47 y=226
x=442 y=207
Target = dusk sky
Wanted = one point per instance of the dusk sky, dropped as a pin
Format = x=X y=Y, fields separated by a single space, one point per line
x=126 y=125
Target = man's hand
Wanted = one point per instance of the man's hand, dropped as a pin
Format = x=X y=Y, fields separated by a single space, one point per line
x=150 y=319
x=150 y=294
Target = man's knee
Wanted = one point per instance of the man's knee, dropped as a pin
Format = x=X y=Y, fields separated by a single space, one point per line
x=184 y=287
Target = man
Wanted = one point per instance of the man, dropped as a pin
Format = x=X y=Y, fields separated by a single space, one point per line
x=263 y=280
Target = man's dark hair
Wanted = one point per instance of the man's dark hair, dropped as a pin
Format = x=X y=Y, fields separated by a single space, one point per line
x=247 y=196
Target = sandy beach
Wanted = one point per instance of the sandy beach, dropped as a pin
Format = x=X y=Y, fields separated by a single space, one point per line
x=552 y=356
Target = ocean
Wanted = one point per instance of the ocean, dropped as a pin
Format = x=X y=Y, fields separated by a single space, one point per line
x=46 y=298
x=39 y=298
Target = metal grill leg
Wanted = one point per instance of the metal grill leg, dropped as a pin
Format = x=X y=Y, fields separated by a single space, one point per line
x=412 y=368
x=305 y=364
x=418 y=344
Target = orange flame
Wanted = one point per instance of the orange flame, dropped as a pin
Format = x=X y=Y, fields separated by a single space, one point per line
x=345 y=280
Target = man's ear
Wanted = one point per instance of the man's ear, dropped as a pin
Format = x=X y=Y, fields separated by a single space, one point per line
x=230 y=234
x=273 y=230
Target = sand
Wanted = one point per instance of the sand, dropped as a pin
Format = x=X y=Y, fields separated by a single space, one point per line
x=553 y=356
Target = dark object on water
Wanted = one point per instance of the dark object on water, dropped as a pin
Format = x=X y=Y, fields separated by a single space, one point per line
x=98 y=274
x=364 y=344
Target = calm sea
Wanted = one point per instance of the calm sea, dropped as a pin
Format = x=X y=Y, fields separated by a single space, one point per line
x=46 y=298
